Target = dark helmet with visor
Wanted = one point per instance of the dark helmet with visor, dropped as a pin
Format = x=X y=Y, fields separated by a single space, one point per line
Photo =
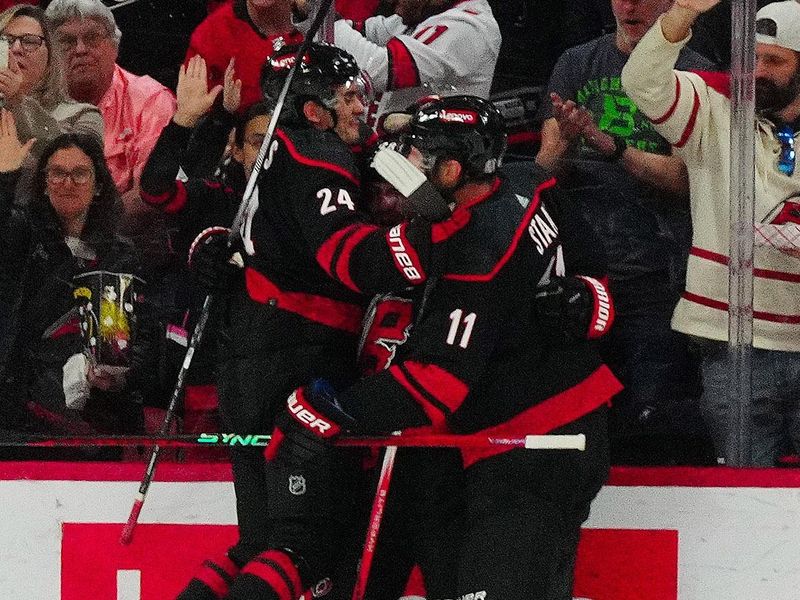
x=321 y=70
x=465 y=128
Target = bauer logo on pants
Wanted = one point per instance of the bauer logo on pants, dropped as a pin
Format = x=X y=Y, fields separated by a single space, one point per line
x=297 y=485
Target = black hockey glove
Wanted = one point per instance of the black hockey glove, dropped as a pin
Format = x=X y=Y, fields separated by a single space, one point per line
x=311 y=421
x=575 y=308
x=211 y=260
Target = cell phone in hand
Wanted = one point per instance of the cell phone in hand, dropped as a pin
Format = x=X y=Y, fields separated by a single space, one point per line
x=4 y=47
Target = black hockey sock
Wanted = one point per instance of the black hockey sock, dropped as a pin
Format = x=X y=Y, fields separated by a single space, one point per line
x=212 y=581
x=272 y=575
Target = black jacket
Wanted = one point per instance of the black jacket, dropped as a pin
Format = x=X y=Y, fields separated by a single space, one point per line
x=37 y=332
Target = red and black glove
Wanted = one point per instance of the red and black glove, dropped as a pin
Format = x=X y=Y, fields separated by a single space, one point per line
x=211 y=259
x=575 y=308
x=308 y=426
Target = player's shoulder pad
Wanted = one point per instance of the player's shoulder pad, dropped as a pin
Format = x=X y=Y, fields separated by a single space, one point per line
x=316 y=149
x=500 y=225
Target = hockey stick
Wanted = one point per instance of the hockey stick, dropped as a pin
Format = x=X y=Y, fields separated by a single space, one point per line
x=437 y=440
x=374 y=526
x=197 y=335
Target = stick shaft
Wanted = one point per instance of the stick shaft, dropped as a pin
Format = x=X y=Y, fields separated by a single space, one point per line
x=127 y=533
x=375 y=518
x=530 y=442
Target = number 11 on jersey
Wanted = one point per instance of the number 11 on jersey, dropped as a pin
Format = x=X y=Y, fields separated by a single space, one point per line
x=455 y=325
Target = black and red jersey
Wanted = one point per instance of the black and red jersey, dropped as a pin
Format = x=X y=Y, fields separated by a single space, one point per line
x=477 y=359
x=310 y=255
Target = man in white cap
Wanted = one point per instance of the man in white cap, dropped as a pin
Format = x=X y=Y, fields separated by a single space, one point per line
x=693 y=113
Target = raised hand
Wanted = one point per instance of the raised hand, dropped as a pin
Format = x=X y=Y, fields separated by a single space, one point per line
x=12 y=151
x=698 y=6
x=232 y=90
x=193 y=97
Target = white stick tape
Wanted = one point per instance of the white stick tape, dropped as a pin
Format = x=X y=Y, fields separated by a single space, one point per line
x=556 y=442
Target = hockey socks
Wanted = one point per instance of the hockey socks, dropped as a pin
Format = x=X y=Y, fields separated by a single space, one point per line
x=212 y=581
x=272 y=575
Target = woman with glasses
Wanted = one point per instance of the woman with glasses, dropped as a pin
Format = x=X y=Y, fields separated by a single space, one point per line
x=32 y=83
x=66 y=229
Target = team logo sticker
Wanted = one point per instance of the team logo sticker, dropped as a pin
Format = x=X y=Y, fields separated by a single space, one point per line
x=297 y=485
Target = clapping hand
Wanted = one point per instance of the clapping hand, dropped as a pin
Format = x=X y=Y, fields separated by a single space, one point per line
x=12 y=151
x=573 y=120
x=193 y=97
x=232 y=90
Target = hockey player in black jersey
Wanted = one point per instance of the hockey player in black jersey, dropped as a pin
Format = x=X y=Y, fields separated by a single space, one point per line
x=293 y=313
x=481 y=359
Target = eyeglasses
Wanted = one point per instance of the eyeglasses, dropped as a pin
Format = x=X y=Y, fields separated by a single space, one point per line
x=29 y=42
x=79 y=176
x=786 y=158
x=91 y=39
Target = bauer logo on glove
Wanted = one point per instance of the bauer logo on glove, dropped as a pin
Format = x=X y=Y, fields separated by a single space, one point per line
x=305 y=414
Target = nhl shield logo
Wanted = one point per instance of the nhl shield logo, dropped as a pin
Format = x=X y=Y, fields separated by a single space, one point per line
x=297 y=485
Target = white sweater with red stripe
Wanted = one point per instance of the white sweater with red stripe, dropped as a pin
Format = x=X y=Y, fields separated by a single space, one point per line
x=451 y=52
x=695 y=118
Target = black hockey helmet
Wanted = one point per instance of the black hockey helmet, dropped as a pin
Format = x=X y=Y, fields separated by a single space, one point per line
x=322 y=68
x=466 y=128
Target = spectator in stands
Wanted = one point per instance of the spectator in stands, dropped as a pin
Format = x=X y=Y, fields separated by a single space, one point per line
x=694 y=115
x=66 y=229
x=626 y=182
x=32 y=84
x=426 y=47
x=135 y=109
x=247 y=31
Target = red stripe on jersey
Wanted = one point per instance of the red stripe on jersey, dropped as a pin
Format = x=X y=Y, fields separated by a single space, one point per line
x=169 y=202
x=326 y=311
x=433 y=412
x=514 y=241
x=313 y=162
x=403 y=71
x=328 y=248
x=692 y=120
x=568 y=406
x=439 y=383
x=178 y=200
x=471 y=12
x=450 y=226
x=353 y=239
x=709 y=255
x=271 y=577
x=719 y=81
x=406 y=259
x=461 y=216
x=672 y=108
x=757 y=314
x=156 y=199
x=762 y=273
